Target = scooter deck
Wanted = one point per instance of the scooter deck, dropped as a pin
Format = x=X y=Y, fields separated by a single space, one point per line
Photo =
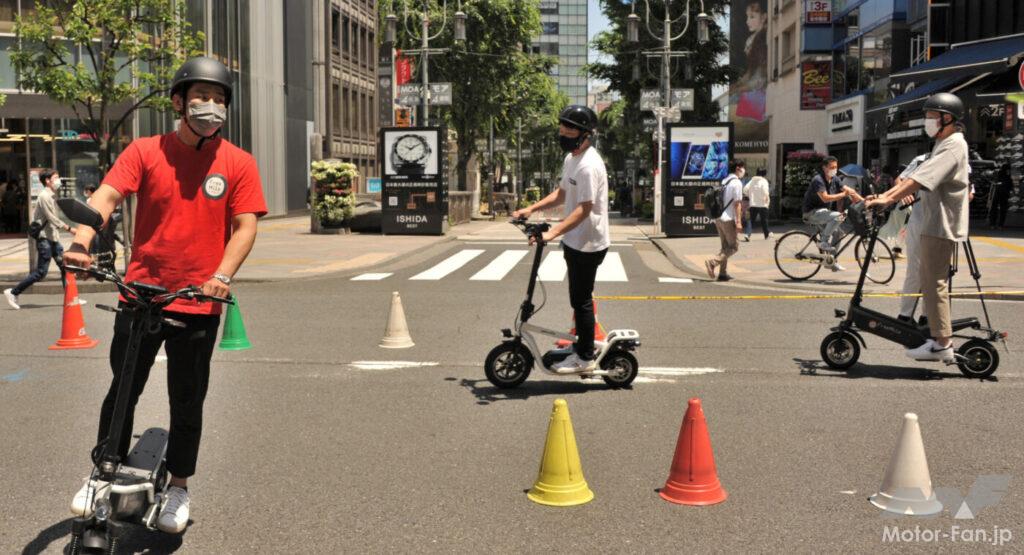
x=148 y=453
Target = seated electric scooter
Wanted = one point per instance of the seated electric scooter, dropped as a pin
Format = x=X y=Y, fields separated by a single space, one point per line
x=976 y=357
x=126 y=491
x=509 y=364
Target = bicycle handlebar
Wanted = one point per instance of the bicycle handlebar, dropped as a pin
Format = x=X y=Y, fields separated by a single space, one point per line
x=132 y=295
x=535 y=230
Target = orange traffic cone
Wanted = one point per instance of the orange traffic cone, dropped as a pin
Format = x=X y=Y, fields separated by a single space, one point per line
x=72 y=330
x=599 y=334
x=692 y=480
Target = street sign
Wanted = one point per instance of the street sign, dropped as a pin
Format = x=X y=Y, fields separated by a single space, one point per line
x=500 y=144
x=669 y=113
x=682 y=99
x=650 y=99
x=440 y=94
x=411 y=94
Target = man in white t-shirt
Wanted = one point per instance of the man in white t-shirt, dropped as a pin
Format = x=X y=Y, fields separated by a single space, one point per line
x=759 y=193
x=584 y=229
x=730 y=223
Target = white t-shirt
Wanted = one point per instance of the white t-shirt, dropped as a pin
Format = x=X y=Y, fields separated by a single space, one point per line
x=584 y=179
x=757 y=191
x=733 y=192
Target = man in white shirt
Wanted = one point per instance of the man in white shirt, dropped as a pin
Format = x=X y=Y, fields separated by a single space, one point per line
x=584 y=229
x=757 y=190
x=944 y=217
x=730 y=223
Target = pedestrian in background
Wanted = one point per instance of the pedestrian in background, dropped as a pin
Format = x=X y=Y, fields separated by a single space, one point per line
x=730 y=223
x=47 y=239
x=1000 y=192
x=758 y=190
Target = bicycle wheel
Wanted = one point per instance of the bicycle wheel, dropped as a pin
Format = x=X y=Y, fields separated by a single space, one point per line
x=883 y=264
x=797 y=256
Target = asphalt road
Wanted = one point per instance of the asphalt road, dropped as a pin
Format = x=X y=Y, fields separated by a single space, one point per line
x=309 y=449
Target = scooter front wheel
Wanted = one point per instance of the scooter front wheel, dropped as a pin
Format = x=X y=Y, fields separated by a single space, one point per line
x=840 y=350
x=622 y=369
x=982 y=359
x=508 y=365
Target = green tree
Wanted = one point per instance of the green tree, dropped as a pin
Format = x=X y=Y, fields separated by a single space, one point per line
x=98 y=55
x=491 y=74
x=628 y=71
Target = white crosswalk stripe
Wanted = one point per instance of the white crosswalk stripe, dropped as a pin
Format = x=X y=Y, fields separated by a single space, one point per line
x=500 y=266
x=612 y=269
x=448 y=265
x=552 y=267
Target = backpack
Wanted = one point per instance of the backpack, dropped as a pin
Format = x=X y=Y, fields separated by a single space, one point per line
x=714 y=201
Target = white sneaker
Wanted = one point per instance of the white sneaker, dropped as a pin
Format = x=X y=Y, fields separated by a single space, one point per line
x=84 y=501
x=836 y=267
x=573 y=363
x=174 y=515
x=931 y=350
x=12 y=299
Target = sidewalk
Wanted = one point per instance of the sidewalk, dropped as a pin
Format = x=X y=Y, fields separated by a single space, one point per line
x=1000 y=258
x=285 y=249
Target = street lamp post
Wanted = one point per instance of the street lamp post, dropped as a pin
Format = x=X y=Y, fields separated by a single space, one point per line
x=424 y=51
x=666 y=54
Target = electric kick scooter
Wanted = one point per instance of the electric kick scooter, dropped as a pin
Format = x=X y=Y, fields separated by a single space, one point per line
x=976 y=357
x=130 y=491
x=509 y=364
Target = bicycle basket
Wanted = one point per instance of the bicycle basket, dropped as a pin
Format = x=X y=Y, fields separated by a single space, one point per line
x=856 y=214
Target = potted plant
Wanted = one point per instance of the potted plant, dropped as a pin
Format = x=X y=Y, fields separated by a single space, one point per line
x=335 y=202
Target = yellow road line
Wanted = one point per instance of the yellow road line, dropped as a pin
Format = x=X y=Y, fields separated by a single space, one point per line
x=784 y=297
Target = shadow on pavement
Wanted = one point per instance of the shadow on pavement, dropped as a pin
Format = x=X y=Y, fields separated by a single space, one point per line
x=877 y=371
x=135 y=540
x=486 y=393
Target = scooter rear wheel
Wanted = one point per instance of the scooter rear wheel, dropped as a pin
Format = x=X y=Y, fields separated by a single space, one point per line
x=622 y=369
x=982 y=359
x=840 y=350
x=508 y=365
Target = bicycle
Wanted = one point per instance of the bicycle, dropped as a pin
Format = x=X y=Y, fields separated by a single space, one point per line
x=799 y=256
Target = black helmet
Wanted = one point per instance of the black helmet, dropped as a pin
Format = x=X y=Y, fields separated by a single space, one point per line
x=579 y=117
x=945 y=103
x=202 y=69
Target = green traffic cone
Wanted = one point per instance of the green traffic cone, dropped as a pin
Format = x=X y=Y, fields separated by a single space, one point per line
x=234 y=338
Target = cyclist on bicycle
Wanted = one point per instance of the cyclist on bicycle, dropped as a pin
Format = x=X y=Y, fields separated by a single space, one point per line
x=824 y=190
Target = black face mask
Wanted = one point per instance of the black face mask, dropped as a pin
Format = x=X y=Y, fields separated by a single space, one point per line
x=570 y=144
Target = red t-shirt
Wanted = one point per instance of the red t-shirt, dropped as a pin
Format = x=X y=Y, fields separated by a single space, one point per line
x=186 y=199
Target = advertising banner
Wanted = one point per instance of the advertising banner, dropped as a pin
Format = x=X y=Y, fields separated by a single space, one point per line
x=817 y=11
x=697 y=157
x=815 y=85
x=748 y=53
x=414 y=187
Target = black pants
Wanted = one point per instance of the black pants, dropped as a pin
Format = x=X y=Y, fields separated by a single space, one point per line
x=762 y=213
x=189 y=351
x=582 y=269
x=1000 y=204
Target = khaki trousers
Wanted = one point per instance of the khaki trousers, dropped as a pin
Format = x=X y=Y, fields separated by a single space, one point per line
x=934 y=273
x=727 y=233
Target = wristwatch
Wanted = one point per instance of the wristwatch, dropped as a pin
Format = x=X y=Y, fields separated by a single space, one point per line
x=222 y=278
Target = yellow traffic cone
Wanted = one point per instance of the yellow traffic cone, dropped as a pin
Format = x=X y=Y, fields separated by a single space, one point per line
x=907 y=486
x=396 y=336
x=560 y=481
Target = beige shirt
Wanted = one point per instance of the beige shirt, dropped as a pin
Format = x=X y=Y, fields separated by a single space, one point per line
x=945 y=176
x=47 y=212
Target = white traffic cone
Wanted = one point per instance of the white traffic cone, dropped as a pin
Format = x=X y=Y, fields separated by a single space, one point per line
x=396 y=336
x=907 y=486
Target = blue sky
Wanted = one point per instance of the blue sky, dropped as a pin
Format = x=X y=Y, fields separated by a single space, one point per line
x=596 y=22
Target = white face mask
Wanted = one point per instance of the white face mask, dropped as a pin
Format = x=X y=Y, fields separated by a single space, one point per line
x=931 y=127
x=830 y=174
x=206 y=118
x=57 y=183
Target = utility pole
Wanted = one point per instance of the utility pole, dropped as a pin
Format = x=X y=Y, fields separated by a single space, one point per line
x=516 y=187
x=666 y=54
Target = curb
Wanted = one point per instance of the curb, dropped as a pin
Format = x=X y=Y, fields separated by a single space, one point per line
x=696 y=272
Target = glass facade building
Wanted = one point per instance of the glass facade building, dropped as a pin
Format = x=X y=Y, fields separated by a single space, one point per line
x=564 y=34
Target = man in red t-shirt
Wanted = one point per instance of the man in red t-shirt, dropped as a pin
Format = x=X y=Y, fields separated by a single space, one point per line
x=199 y=198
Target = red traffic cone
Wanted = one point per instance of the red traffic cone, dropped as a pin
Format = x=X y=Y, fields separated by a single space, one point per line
x=599 y=334
x=692 y=480
x=72 y=330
